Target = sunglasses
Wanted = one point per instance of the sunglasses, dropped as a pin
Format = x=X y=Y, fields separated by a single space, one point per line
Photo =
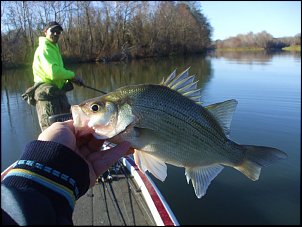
x=56 y=31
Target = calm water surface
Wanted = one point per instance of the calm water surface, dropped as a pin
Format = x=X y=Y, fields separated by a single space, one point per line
x=268 y=91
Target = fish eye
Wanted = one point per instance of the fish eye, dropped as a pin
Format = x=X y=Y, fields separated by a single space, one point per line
x=95 y=107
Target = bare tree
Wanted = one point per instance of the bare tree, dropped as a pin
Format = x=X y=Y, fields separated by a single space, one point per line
x=106 y=30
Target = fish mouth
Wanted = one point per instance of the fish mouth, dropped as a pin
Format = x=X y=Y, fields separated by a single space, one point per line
x=80 y=121
x=103 y=132
x=104 y=125
x=84 y=124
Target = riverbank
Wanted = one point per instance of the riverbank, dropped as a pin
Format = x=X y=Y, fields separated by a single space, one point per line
x=290 y=48
x=72 y=60
x=240 y=49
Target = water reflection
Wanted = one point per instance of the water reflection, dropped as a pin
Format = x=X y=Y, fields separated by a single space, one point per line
x=14 y=83
x=108 y=77
x=253 y=57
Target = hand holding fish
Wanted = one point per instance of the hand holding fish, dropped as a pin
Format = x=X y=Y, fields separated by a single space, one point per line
x=88 y=147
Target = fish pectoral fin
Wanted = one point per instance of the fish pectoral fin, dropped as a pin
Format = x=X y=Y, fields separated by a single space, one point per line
x=145 y=162
x=201 y=177
x=223 y=112
x=146 y=136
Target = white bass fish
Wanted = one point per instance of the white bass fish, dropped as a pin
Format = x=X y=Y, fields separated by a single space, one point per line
x=166 y=123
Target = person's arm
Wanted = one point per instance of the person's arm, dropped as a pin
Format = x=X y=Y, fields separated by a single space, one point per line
x=53 y=172
x=43 y=186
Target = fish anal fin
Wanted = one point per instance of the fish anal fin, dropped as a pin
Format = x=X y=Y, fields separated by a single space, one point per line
x=223 y=113
x=201 y=177
x=146 y=161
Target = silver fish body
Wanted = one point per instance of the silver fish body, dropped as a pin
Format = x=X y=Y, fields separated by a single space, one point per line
x=166 y=123
x=175 y=129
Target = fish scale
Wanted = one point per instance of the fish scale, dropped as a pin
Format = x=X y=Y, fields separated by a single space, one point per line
x=156 y=115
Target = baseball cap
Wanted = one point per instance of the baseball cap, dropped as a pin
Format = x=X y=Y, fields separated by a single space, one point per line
x=53 y=24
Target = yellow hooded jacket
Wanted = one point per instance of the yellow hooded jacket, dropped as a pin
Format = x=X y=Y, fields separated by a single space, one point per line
x=48 y=65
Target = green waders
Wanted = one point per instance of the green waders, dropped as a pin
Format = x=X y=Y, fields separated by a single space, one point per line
x=49 y=100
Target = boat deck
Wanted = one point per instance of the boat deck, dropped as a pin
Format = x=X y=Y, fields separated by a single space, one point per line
x=119 y=202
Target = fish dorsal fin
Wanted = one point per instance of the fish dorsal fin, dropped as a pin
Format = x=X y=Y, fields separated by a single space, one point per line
x=201 y=177
x=171 y=77
x=145 y=162
x=184 y=84
x=223 y=112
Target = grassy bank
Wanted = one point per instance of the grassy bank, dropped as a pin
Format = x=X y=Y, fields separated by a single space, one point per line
x=290 y=48
x=293 y=48
x=240 y=49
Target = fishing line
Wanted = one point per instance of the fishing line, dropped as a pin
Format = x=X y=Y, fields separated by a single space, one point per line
x=129 y=189
x=106 y=203
x=116 y=202
x=124 y=171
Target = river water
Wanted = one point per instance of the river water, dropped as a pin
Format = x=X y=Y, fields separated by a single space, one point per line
x=268 y=90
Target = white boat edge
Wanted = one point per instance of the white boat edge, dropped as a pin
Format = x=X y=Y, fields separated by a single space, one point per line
x=158 y=206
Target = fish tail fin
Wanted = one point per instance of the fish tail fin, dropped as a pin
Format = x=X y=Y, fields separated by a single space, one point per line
x=256 y=158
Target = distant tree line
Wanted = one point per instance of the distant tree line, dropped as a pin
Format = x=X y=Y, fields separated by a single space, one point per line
x=104 y=30
x=258 y=40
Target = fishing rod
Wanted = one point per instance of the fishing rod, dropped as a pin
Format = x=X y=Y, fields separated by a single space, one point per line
x=84 y=85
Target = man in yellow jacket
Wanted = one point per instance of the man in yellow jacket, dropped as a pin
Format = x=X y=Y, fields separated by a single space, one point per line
x=51 y=78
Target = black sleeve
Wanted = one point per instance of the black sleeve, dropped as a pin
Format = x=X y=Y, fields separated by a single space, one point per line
x=43 y=185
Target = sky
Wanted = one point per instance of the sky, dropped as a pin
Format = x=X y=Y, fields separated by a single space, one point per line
x=230 y=18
